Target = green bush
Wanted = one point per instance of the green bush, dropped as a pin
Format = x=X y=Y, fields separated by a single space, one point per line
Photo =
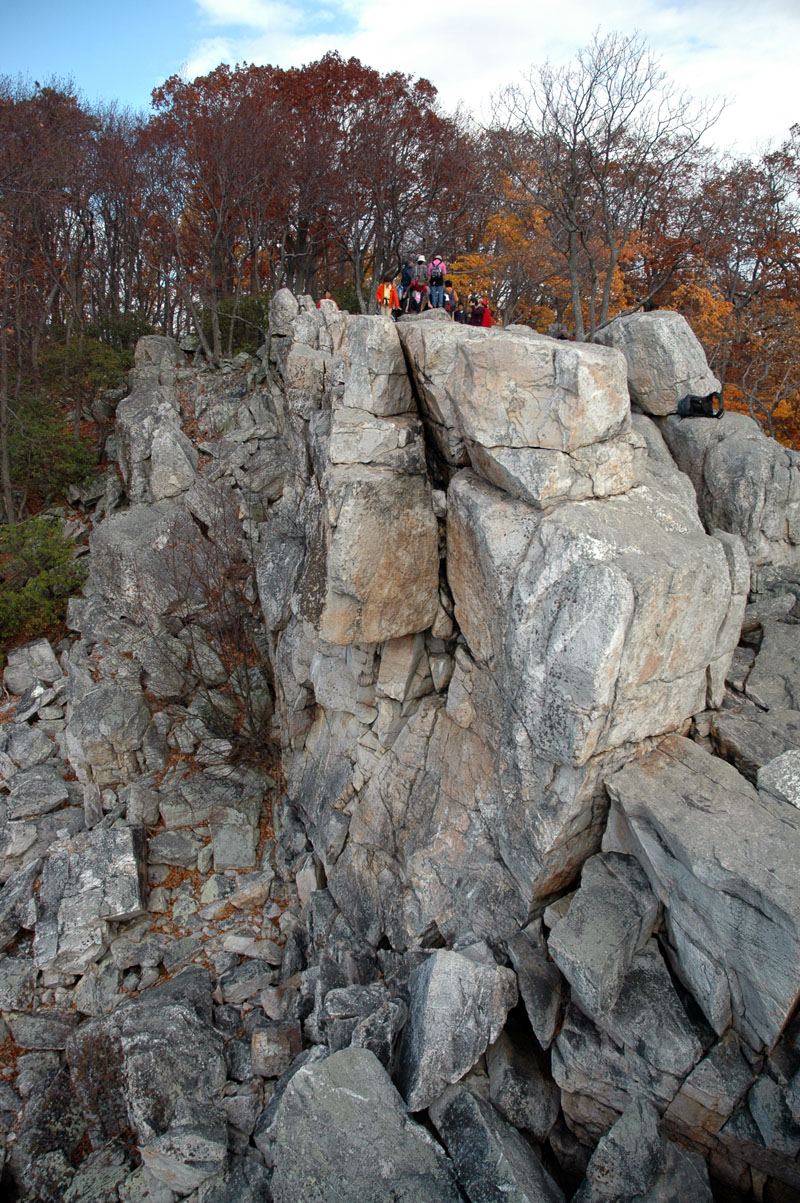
x=38 y=572
x=249 y=324
x=44 y=456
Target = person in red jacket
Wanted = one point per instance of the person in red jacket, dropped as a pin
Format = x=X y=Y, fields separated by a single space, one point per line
x=386 y=294
x=487 y=319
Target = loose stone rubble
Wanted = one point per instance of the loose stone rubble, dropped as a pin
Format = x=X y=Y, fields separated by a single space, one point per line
x=413 y=806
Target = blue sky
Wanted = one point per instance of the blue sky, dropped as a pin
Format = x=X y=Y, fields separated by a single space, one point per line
x=745 y=50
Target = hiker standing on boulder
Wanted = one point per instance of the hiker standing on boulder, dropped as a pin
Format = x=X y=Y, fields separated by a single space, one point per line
x=418 y=292
x=437 y=270
x=386 y=295
x=406 y=277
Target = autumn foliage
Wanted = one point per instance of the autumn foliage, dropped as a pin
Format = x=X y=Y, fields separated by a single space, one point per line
x=593 y=191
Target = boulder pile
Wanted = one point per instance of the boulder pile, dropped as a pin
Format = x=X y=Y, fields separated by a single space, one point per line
x=413 y=809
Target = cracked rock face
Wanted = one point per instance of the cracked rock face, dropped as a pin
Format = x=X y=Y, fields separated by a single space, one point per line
x=489 y=611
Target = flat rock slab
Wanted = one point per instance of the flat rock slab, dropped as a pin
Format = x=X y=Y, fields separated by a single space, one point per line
x=342 y=1135
x=36 y=791
x=751 y=738
x=723 y=861
x=457 y=1007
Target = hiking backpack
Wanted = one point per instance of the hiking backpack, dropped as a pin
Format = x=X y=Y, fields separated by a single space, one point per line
x=691 y=406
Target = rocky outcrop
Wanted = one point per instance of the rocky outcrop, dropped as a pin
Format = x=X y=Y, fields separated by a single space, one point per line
x=526 y=868
x=665 y=361
x=557 y=671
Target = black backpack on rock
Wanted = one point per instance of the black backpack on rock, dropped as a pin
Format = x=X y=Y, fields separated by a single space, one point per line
x=701 y=407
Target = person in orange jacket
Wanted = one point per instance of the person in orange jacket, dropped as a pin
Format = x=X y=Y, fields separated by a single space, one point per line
x=386 y=294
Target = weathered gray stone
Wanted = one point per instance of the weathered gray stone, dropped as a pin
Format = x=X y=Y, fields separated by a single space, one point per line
x=98 y=1177
x=17 y=977
x=457 y=1007
x=542 y=477
x=15 y=902
x=104 y=729
x=283 y=309
x=94 y=879
x=542 y=988
x=520 y=1085
x=348 y=1102
x=191 y=1150
x=634 y=1160
x=774 y=680
x=745 y=483
x=28 y=745
x=149 y=561
x=243 y=982
x=43 y=1029
x=173 y=463
x=492 y=1161
x=33 y=662
x=36 y=791
x=372 y=572
x=432 y=350
x=609 y=920
x=368 y=368
x=721 y=859
x=141 y=1061
x=519 y=392
x=751 y=738
x=241 y=1180
x=780 y=778
x=582 y=604
x=712 y=1091
x=175 y=848
x=665 y=361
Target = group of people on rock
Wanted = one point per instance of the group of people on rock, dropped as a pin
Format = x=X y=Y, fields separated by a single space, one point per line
x=425 y=285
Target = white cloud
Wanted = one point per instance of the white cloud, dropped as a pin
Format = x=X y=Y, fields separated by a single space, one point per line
x=709 y=47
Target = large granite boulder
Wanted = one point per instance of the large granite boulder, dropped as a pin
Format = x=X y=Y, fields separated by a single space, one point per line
x=664 y=358
x=745 y=483
x=368 y=570
x=342 y=1135
x=721 y=858
x=571 y=614
x=542 y=419
x=458 y=1004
